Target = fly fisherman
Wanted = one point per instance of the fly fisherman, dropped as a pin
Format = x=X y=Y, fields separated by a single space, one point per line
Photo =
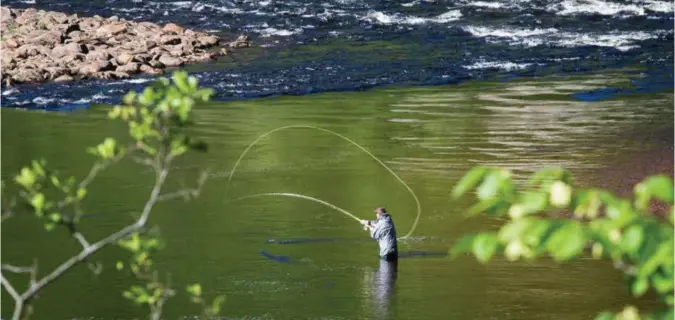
x=383 y=231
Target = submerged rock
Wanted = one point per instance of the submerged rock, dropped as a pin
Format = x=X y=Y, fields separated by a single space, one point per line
x=39 y=46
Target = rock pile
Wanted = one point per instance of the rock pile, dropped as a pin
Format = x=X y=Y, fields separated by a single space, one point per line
x=41 y=46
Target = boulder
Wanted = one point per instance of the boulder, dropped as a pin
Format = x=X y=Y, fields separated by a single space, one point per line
x=208 y=41
x=76 y=58
x=150 y=70
x=71 y=28
x=69 y=49
x=63 y=78
x=47 y=38
x=47 y=22
x=149 y=44
x=89 y=24
x=6 y=15
x=170 y=40
x=98 y=55
x=173 y=28
x=111 y=29
x=111 y=75
x=55 y=72
x=27 y=76
x=95 y=67
x=129 y=68
x=170 y=61
x=156 y=64
x=124 y=58
x=206 y=56
x=12 y=43
x=240 y=42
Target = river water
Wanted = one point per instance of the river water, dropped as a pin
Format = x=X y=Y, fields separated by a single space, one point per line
x=287 y=258
x=586 y=85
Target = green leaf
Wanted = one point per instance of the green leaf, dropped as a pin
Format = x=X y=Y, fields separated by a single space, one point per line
x=566 y=242
x=181 y=82
x=490 y=186
x=547 y=175
x=129 y=98
x=515 y=249
x=469 y=181
x=661 y=187
x=54 y=217
x=654 y=261
x=38 y=202
x=513 y=230
x=560 y=194
x=26 y=179
x=661 y=283
x=530 y=203
x=55 y=181
x=205 y=94
x=119 y=265
x=463 y=245
x=632 y=239
x=216 y=303
x=639 y=286
x=81 y=193
x=481 y=207
x=485 y=246
x=193 y=83
x=178 y=147
x=195 y=289
x=38 y=168
x=535 y=234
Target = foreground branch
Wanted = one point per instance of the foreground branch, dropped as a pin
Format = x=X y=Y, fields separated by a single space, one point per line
x=89 y=249
x=15 y=269
x=18 y=302
x=626 y=268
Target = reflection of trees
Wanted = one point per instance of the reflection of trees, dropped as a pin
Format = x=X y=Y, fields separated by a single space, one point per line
x=520 y=125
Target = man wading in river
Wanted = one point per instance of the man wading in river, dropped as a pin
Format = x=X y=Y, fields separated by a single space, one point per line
x=383 y=231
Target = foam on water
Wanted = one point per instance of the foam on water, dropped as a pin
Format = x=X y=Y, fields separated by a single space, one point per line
x=383 y=18
x=622 y=41
x=608 y=8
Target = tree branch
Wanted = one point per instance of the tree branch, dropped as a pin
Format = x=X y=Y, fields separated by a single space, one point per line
x=185 y=193
x=626 y=268
x=80 y=238
x=15 y=269
x=18 y=301
x=93 y=248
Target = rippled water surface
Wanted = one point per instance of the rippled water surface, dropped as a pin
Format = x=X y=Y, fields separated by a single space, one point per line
x=314 y=46
x=286 y=258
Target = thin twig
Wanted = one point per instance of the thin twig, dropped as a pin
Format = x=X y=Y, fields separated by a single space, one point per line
x=100 y=166
x=15 y=269
x=143 y=161
x=626 y=268
x=80 y=238
x=185 y=193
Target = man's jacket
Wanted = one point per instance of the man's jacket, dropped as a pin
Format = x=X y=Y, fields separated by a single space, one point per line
x=384 y=233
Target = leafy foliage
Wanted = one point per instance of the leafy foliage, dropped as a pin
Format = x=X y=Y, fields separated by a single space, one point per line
x=157 y=119
x=551 y=217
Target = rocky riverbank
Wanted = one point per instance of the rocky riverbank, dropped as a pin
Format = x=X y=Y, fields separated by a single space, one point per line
x=41 y=46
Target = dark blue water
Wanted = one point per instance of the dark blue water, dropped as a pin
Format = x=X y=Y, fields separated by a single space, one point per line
x=314 y=46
